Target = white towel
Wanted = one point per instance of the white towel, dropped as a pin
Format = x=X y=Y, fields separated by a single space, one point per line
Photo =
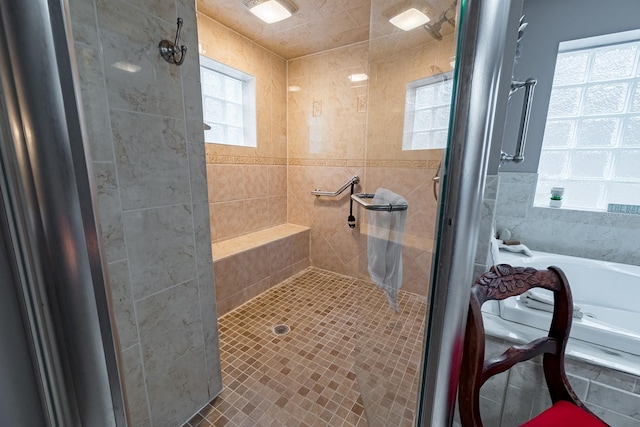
x=542 y=299
x=516 y=248
x=384 y=245
x=496 y=245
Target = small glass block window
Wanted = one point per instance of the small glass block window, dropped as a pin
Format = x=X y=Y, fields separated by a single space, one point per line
x=427 y=110
x=591 y=145
x=228 y=103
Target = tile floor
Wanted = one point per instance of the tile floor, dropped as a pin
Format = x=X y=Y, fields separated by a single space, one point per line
x=339 y=326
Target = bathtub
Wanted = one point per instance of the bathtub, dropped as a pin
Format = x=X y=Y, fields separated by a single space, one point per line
x=607 y=293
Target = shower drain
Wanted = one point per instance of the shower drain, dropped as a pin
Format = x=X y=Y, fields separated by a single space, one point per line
x=282 y=329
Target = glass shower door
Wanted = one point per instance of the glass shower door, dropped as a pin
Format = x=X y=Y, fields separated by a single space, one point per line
x=420 y=117
x=408 y=109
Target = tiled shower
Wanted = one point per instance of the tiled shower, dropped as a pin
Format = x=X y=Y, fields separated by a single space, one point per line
x=164 y=196
x=158 y=215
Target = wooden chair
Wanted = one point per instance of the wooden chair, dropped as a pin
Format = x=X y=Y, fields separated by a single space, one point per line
x=505 y=281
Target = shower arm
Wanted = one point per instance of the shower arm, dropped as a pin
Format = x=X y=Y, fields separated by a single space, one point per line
x=528 y=86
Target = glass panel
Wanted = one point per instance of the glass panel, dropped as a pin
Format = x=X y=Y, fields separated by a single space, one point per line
x=431 y=112
x=421 y=140
x=388 y=344
x=571 y=68
x=564 y=102
x=613 y=63
x=234 y=114
x=423 y=120
x=632 y=132
x=624 y=193
x=597 y=132
x=616 y=126
x=213 y=110
x=233 y=89
x=635 y=100
x=627 y=165
x=235 y=135
x=439 y=139
x=554 y=164
x=212 y=83
x=425 y=96
x=443 y=93
x=442 y=117
x=605 y=98
x=216 y=134
x=584 y=194
x=559 y=133
x=590 y=164
x=227 y=100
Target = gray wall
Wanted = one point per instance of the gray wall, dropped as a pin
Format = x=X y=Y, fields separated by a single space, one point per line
x=596 y=235
x=551 y=22
x=145 y=134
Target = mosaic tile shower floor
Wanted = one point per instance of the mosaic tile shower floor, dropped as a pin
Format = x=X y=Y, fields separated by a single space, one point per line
x=308 y=376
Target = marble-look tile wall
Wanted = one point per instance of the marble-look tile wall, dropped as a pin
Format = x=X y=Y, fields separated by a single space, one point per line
x=596 y=235
x=484 y=260
x=520 y=394
x=248 y=185
x=143 y=122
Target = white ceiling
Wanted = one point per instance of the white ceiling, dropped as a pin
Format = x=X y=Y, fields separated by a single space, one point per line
x=320 y=25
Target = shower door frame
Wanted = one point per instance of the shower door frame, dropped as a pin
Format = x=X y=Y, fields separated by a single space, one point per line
x=51 y=225
x=484 y=61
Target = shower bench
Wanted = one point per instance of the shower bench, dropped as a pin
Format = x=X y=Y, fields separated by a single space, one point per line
x=248 y=265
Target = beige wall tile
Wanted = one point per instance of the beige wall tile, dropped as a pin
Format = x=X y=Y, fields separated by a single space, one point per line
x=277 y=210
x=226 y=305
x=226 y=183
x=277 y=180
x=229 y=217
x=256 y=180
x=229 y=277
x=257 y=215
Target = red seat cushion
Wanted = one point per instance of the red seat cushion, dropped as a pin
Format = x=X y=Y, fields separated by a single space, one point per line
x=564 y=414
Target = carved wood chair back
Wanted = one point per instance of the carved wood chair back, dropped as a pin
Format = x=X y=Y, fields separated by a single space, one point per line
x=504 y=281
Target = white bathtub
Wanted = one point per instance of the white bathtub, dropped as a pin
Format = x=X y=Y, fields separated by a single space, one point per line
x=607 y=293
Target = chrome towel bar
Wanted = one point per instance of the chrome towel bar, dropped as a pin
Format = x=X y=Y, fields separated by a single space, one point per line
x=358 y=198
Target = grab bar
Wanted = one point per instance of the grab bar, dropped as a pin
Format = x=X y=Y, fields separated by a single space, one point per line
x=528 y=86
x=318 y=192
x=368 y=206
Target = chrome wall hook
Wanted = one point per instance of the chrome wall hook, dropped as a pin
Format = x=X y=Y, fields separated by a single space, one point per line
x=169 y=50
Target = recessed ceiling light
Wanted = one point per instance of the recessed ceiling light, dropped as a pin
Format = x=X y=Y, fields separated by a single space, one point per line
x=358 y=77
x=294 y=88
x=409 y=19
x=271 y=11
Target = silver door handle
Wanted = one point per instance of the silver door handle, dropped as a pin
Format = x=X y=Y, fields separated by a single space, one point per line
x=528 y=86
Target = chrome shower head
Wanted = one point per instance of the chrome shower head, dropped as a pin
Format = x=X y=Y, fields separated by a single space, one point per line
x=434 y=30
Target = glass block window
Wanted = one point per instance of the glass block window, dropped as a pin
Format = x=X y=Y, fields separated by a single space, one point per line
x=228 y=104
x=591 y=144
x=426 y=116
